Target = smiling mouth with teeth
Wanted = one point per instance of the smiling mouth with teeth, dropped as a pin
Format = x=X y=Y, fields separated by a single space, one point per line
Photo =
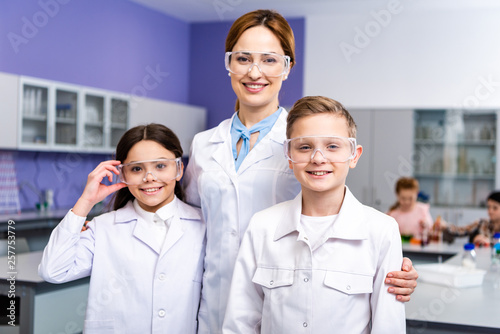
x=321 y=173
x=255 y=86
x=151 y=190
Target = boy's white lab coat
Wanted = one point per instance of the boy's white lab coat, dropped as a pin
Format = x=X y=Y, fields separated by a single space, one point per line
x=280 y=286
x=228 y=200
x=134 y=287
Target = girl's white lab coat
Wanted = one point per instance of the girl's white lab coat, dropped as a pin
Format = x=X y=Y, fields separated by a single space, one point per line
x=228 y=200
x=134 y=286
x=281 y=286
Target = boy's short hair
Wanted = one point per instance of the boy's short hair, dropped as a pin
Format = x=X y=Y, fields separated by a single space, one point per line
x=311 y=105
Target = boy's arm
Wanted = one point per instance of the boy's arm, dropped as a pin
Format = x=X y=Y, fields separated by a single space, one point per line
x=388 y=314
x=244 y=309
x=69 y=252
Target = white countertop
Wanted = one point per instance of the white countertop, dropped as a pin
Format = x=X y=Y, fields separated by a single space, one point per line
x=26 y=267
x=34 y=215
x=473 y=306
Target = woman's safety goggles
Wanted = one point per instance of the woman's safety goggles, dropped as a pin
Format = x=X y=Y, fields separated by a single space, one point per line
x=269 y=64
x=159 y=170
x=332 y=148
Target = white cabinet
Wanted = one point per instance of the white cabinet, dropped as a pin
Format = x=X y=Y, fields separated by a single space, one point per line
x=185 y=120
x=61 y=117
x=9 y=88
x=387 y=140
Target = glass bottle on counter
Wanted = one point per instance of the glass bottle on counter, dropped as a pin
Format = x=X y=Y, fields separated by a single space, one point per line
x=469 y=256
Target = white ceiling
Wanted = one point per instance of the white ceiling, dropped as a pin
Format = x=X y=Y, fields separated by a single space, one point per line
x=229 y=10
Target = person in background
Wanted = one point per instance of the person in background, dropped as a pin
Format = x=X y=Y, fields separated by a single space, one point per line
x=238 y=168
x=317 y=263
x=480 y=231
x=145 y=259
x=413 y=217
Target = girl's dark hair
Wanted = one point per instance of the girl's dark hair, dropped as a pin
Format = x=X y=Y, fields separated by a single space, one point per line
x=155 y=132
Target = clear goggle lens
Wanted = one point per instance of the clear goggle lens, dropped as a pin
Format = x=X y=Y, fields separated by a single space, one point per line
x=160 y=170
x=332 y=148
x=269 y=64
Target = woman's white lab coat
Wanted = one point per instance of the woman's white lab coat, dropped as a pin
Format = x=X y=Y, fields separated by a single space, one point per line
x=135 y=287
x=228 y=199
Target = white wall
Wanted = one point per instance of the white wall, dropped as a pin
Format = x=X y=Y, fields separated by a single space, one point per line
x=419 y=54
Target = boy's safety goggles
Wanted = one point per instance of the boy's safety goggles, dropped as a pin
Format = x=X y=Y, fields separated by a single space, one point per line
x=332 y=148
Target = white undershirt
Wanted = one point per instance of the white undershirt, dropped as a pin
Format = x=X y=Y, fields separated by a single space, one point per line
x=159 y=221
x=316 y=228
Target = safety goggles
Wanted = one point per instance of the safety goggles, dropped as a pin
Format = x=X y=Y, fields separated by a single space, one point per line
x=269 y=64
x=332 y=148
x=160 y=170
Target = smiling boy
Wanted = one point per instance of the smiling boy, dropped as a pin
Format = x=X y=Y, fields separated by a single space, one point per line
x=316 y=264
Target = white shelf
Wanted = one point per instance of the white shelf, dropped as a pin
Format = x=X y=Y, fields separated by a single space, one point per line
x=455 y=156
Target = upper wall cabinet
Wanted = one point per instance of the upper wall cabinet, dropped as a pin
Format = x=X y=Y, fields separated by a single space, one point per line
x=455 y=155
x=62 y=117
x=44 y=115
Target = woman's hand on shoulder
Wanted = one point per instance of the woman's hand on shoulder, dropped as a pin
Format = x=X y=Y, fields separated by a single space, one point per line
x=95 y=191
x=403 y=282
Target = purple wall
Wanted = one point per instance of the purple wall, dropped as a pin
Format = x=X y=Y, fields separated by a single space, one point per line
x=105 y=44
x=209 y=84
x=65 y=173
x=110 y=44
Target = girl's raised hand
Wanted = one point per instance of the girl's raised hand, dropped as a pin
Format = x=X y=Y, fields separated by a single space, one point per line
x=95 y=191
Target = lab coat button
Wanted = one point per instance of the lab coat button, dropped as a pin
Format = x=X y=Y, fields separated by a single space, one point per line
x=306 y=279
x=162 y=277
x=271 y=282
x=304 y=324
x=348 y=287
x=162 y=313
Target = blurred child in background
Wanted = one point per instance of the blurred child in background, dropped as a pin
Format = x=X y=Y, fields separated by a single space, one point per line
x=413 y=217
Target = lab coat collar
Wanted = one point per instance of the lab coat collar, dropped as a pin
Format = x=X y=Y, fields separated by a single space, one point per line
x=142 y=229
x=278 y=133
x=223 y=155
x=128 y=214
x=349 y=224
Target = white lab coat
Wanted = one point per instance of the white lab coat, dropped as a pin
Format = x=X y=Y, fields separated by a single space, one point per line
x=228 y=200
x=134 y=286
x=280 y=286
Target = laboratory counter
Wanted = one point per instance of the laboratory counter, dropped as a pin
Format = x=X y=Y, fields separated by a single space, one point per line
x=436 y=308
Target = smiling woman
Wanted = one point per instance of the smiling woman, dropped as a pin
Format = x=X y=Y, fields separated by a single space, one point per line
x=238 y=168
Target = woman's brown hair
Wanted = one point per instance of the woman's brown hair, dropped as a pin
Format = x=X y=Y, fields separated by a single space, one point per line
x=154 y=132
x=269 y=19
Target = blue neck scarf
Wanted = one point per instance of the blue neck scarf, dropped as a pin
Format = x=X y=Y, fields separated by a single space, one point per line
x=238 y=130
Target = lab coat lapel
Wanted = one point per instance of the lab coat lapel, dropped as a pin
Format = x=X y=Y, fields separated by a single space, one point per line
x=175 y=232
x=350 y=220
x=223 y=155
x=143 y=232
